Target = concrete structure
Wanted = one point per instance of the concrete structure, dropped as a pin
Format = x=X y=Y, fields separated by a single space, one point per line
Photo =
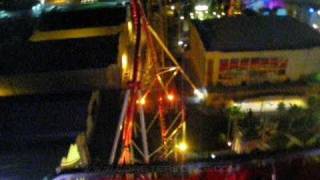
x=252 y=50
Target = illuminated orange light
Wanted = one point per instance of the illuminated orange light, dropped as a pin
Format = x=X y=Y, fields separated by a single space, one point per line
x=170 y=97
x=141 y=101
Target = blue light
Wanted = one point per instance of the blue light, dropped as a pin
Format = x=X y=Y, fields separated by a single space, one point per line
x=266 y=13
x=37 y=10
x=311 y=10
x=4 y=14
x=282 y=12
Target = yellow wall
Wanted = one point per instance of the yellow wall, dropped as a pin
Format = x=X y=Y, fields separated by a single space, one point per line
x=300 y=62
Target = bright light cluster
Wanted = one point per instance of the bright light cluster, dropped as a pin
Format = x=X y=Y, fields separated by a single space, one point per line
x=270 y=104
x=201 y=7
x=182 y=147
x=87 y=1
x=201 y=94
x=142 y=101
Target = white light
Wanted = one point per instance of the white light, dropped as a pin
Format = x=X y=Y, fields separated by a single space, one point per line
x=229 y=143
x=182 y=17
x=218 y=16
x=198 y=93
x=213 y=156
x=318 y=12
x=42 y=1
x=214 y=13
x=180 y=42
x=315 y=26
x=201 y=7
x=172 y=7
x=87 y=1
x=223 y=13
x=311 y=10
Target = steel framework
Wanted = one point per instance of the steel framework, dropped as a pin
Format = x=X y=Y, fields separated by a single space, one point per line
x=152 y=124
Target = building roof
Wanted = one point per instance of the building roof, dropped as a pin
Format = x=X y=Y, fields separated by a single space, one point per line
x=60 y=52
x=256 y=33
x=19 y=55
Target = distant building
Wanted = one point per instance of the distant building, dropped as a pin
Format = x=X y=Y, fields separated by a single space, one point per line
x=74 y=49
x=250 y=50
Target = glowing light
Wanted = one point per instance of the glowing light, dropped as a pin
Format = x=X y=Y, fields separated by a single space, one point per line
x=4 y=14
x=182 y=147
x=181 y=17
x=180 y=42
x=124 y=61
x=214 y=13
x=199 y=94
x=172 y=7
x=318 y=12
x=213 y=156
x=311 y=10
x=283 y=12
x=229 y=143
x=170 y=97
x=87 y=1
x=270 y=104
x=223 y=13
x=218 y=16
x=192 y=15
x=201 y=7
x=315 y=26
x=130 y=26
x=56 y=2
x=142 y=101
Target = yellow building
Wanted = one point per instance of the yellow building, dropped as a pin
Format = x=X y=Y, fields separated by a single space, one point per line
x=245 y=50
